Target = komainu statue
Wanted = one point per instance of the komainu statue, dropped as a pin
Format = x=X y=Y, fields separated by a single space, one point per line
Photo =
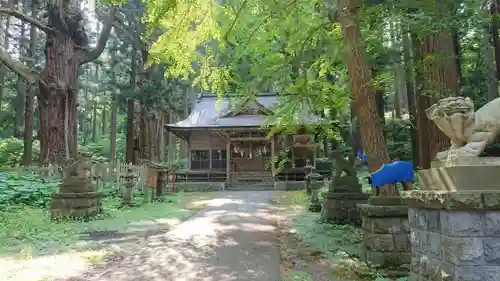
x=470 y=132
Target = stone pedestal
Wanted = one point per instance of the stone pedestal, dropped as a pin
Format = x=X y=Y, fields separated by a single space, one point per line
x=85 y=204
x=78 y=196
x=386 y=233
x=307 y=182
x=340 y=207
x=314 y=203
x=455 y=236
x=455 y=225
x=344 y=193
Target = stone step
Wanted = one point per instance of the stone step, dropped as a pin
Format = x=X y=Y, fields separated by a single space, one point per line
x=262 y=186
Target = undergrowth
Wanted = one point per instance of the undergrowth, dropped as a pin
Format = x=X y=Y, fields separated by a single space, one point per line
x=26 y=189
x=340 y=244
x=27 y=230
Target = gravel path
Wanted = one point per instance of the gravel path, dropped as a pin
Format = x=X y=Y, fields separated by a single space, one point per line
x=233 y=238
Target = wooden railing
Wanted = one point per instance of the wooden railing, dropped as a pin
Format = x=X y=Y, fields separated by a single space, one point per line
x=101 y=173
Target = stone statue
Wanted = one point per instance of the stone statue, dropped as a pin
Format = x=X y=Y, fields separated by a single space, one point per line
x=345 y=177
x=470 y=132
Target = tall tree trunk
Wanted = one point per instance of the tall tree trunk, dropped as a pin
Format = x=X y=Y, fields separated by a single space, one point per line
x=457 y=50
x=494 y=10
x=18 y=105
x=168 y=139
x=129 y=156
x=491 y=81
x=112 y=130
x=362 y=90
x=161 y=145
x=396 y=69
x=151 y=127
x=3 y=69
x=410 y=93
x=440 y=79
x=57 y=98
x=29 y=101
x=94 y=121
x=103 y=119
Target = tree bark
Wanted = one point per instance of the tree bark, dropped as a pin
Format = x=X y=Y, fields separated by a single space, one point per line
x=29 y=101
x=439 y=80
x=3 y=68
x=410 y=93
x=494 y=10
x=65 y=50
x=112 y=130
x=129 y=156
x=94 y=121
x=362 y=90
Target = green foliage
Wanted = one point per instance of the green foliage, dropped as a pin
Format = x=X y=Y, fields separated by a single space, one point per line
x=101 y=149
x=399 y=139
x=26 y=190
x=249 y=46
x=11 y=152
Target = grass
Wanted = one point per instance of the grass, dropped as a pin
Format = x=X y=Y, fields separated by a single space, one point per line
x=28 y=231
x=340 y=245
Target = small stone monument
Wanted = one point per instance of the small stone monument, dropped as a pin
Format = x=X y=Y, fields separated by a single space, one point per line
x=344 y=193
x=128 y=193
x=314 y=203
x=308 y=171
x=77 y=197
x=454 y=217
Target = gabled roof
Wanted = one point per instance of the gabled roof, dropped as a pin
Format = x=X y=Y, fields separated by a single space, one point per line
x=209 y=111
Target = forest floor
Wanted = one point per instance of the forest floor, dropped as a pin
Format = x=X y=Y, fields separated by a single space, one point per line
x=262 y=236
x=312 y=250
x=33 y=248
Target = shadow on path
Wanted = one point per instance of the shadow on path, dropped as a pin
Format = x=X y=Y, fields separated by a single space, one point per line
x=233 y=238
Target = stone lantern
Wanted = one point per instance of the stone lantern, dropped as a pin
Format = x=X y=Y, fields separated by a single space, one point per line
x=314 y=203
x=309 y=169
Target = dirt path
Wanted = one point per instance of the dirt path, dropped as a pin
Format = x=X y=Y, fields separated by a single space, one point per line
x=233 y=238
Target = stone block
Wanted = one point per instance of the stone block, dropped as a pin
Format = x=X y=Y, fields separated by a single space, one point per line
x=433 y=220
x=461 y=223
x=418 y=238
x=387 y=259
x=492 y=251
x=491 y=223
x=434 y=245
x=491 y=200
x=427 y=268
x=382 y=200
x=402 y=242
x=413 y=217
x=463 y=250
x=379 y=242
x=477 y=273
x=383 y=210
x=385 y=225
x=460 y=177
x=464 y=200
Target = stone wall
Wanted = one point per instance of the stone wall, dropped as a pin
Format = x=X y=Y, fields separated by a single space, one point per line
x=199 y=186
x=455 y=236
x=386 y=232
x=340 y=207
x=219 y=186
